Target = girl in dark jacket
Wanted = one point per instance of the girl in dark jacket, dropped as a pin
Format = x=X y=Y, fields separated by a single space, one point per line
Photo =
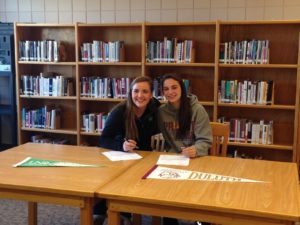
x=131 y=123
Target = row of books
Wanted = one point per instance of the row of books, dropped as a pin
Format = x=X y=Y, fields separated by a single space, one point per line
x=100 y=51
x=246 y=92
x=243 y=155
x=157 y=90
x=170 y=51
x=245 y=52
x=44 y=139
x=44 y=51
x=93 y=122
x=97 y=87
x=46 y=85
x=45 y=117
x=248 y=131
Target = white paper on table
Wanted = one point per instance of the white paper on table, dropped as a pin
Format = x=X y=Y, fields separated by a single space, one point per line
x=118 y=156
x=179 y=160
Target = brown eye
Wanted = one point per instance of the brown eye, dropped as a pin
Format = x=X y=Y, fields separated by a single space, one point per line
x=174 y=87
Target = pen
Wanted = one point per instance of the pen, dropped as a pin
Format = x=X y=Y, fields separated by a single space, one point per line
x=136 y=147
x=181 y=148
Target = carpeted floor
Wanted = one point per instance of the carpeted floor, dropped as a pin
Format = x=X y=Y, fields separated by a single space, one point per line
x=15 y=213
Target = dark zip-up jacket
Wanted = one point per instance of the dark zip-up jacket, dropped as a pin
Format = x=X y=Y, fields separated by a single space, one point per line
x=113 y=133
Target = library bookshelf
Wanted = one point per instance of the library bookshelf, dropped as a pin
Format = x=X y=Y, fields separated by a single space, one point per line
x=65 y=34
x=205 y=73
x=130 y=66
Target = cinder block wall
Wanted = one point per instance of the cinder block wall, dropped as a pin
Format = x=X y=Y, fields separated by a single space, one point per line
x=95 y=11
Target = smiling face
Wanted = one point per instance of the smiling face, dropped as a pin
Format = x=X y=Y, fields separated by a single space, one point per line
x=141 y=94
x=172 y=92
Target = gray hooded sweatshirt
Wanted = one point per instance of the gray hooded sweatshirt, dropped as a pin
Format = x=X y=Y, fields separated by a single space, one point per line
x=200 y=131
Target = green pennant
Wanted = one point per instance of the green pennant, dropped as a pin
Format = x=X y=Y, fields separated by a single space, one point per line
x=34 y=162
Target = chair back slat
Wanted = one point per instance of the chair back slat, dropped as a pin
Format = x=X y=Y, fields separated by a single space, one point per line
x=220 y=133
x=158 y=142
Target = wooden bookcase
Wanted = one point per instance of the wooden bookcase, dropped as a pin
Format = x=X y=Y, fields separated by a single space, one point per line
x=283 y=69
x=132 y=35
x=204 y=74
x=37 y=32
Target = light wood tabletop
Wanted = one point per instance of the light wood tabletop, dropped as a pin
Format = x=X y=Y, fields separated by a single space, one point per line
x=275 y=200
x=74 y=186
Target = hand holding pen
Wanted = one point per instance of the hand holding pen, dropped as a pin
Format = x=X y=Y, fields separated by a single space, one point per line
x=129 y=145
x=189 y=151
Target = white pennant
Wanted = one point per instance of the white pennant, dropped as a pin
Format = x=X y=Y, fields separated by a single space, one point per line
x=177 y=174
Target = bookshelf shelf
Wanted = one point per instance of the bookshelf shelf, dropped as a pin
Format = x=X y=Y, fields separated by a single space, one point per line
x=45 y=25
x=204 y=73
x=48 y=97
x=90 y=134
x=182 y=64
x=109 y=25
x=270 y=147
x=120 y=100
x=101 y=99
x=264 y=23
x=283 y=107
x=201 y=102
x=266 y=66
x=111 y=63
x=47 y=63
x=207 y=103
x=54 y=131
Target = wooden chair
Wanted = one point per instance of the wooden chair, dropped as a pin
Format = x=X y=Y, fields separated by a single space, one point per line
x=158 y=142
x=220 y=133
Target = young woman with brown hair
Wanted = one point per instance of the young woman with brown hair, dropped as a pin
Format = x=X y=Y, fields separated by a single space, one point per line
x=131 y=123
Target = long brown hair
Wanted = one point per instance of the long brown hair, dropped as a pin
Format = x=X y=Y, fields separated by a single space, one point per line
x=185 y=111
x=130 y=124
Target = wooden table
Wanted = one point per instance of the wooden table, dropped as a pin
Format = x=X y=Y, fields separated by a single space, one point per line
x=58 y=185
x=275 y=201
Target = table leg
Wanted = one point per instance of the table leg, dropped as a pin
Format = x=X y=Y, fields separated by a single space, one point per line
x=86 y=212
x=113 y=217
x=32 y=213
